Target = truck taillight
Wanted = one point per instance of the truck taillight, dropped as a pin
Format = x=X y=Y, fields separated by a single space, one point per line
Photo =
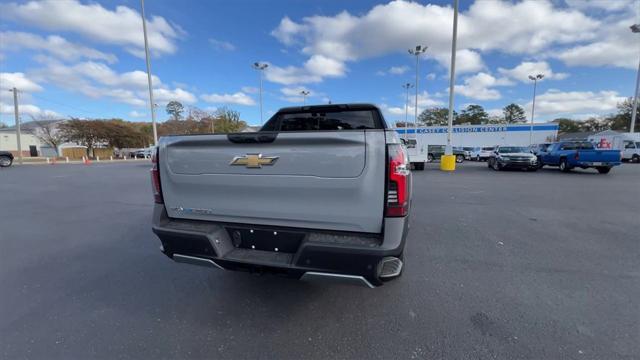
x=155 y=178
x=398 y=186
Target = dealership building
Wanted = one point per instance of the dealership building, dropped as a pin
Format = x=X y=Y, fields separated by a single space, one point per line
x=484 y=135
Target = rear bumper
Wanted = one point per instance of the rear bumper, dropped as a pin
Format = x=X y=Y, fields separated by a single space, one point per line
x=588 y=164
x=302 y=253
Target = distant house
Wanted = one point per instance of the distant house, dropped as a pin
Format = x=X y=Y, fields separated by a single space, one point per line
x=30 y=142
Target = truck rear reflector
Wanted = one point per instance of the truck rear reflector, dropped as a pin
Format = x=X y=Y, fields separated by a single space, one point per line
x=155 y=178
x=398 y=187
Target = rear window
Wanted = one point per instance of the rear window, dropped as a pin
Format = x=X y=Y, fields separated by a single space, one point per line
x=487 y=149
x=335 y=120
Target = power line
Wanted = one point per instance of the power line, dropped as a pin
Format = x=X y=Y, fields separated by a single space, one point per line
x=66 y=105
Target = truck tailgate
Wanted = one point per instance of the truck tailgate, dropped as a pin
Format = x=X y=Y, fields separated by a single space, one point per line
x=330 y=180
x=599 y=156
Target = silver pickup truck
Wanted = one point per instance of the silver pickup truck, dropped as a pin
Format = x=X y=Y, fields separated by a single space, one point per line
x=320 y=192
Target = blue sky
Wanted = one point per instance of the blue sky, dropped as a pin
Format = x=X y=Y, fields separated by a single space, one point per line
x=86 y=59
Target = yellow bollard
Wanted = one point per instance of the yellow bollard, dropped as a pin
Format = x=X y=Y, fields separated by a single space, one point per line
x=448 y=163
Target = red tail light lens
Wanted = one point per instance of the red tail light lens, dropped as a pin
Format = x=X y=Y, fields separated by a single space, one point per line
x=398 y=186
x=577 y=156
x=155 y=178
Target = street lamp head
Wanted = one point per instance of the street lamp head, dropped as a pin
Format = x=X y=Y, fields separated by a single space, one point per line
x=531 y=77
x=259 y=66
x=635 y=28
x=304 y=92
x=539 y=76
x=407 y=85
x=418 y=50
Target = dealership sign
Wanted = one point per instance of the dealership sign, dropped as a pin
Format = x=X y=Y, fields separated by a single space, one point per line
x=479 y=129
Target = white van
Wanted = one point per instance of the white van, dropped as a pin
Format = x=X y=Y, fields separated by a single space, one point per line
x=417 y=152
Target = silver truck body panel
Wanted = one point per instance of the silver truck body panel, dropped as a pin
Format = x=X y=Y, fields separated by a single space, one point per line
x=331 y=180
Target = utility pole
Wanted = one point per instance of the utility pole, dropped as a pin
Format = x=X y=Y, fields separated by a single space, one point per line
x=16 y=113
x=420 y=49
x=260 y=67
x=636 y=29
x=146 y=51
x=533 y=105
x=448 y=150
x=406 y=86
x=304 y=94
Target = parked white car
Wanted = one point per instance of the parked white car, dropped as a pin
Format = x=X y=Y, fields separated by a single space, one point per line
x=486 y=152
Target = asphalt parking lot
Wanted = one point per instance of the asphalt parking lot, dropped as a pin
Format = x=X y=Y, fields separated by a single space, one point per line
x=500 y=265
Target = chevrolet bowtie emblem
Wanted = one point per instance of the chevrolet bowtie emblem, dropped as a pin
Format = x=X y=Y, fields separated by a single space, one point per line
x=253 y=160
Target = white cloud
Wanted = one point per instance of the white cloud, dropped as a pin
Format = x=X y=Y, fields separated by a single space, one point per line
x=425 y=100
x=394 y=70
x=137 y=114
x=613 y=47
x=52 y=44
x=526 y=68
x=238 y=98
x=293 y=94
x=19 y=81
x=525 y=27
x=98 y=80
x=466 y=61
x=322 y=66
x=394 y=110
x=494 y=112
x=290 y=75
x=431 y=76
x=250 y=89
x=399 y=25
x=27 y=109
x=479 y=87
x=163 y=96
x=221 y=45
x=286 y=31
x=122 y=26
x=607 y=5
x=313 y=71
x=398 y=70
x=560 y=103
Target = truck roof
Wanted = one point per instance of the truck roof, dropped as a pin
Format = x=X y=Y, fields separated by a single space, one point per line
x=328 y=107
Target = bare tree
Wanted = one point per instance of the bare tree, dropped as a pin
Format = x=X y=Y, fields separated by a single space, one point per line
x=47 y=131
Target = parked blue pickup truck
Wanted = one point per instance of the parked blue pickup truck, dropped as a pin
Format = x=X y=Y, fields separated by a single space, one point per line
x=583 y=154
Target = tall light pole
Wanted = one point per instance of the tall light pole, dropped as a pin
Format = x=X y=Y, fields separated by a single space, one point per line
x=146 y=51
x=419 y=49
x=260 y=67
x=16 y=113
x=448 y=150
x=533 y=105
x=636 y=29
x=304 y=94
x=406 y=86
